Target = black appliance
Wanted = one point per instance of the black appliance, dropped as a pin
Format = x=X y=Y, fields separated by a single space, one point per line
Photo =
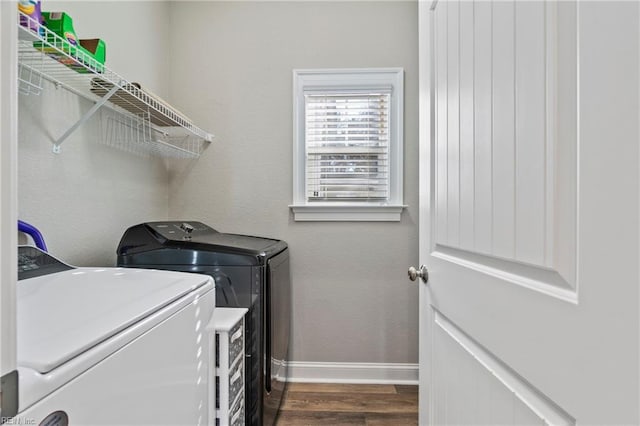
x=34 y=262
x=249 y=272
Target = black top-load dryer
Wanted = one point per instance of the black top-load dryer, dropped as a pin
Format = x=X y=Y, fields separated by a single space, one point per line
x=249 y=272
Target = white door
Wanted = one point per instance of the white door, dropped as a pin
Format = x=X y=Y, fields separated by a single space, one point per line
x=530 y=212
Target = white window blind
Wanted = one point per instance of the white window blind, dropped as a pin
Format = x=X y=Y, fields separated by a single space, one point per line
x=347 y=146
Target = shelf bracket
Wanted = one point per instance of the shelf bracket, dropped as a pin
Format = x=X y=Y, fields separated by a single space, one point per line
x=83 y=119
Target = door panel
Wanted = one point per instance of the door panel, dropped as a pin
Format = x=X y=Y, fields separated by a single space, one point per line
x=530 y=212
x=478 y=389
x=499 y=113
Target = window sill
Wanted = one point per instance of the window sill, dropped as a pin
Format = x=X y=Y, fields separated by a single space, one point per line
x=346 y=213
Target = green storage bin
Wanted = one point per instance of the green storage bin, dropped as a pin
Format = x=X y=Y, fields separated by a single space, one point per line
x=88 y=52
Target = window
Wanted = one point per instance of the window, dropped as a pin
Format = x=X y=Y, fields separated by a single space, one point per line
x=348 y=144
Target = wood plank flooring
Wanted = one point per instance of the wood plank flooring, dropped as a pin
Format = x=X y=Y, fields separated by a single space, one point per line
x=309 y=404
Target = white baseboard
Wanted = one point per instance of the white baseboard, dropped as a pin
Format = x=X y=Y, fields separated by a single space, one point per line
x=347 y=372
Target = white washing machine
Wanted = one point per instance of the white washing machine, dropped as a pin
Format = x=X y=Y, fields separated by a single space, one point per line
x=112 y=346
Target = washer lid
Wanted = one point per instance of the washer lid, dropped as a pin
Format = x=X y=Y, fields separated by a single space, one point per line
x=62 y=315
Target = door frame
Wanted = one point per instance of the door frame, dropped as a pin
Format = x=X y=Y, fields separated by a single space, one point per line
x=8 y=204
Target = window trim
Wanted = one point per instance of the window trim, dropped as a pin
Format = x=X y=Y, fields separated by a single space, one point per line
x=308 y=80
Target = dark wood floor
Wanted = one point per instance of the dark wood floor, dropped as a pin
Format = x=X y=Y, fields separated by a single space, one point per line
x=308 y=404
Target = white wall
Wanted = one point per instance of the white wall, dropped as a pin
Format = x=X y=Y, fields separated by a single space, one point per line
x=231 y=67
x=84 y=198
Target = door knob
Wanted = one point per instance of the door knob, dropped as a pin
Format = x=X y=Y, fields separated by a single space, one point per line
x=423 y=273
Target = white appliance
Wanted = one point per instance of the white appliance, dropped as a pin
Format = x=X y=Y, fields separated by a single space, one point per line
x=112 y=346
x=230 y=367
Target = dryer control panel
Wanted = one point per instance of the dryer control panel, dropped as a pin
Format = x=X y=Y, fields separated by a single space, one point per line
x=181 y=230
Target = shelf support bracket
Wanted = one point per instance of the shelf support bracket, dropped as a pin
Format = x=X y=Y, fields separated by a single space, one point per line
x=83 y=119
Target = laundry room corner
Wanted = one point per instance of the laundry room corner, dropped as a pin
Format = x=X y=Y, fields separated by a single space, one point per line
x=352 y=304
